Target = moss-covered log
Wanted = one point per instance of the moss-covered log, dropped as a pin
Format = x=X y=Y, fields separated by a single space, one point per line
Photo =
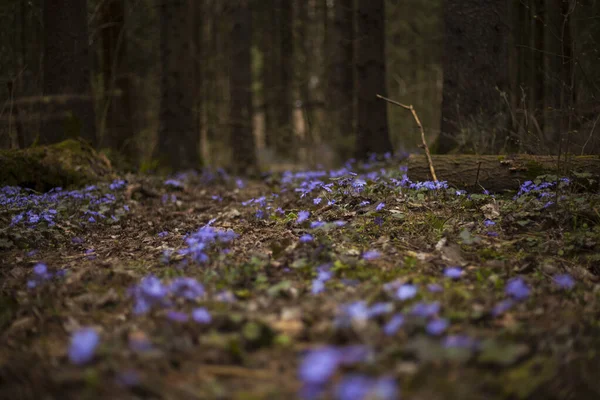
x=495 y=173
x=66 y=164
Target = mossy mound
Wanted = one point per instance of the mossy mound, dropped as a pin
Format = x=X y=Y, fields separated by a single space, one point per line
x=66 y=164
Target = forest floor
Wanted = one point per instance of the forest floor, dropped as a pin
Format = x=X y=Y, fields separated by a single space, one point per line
x=346 y=284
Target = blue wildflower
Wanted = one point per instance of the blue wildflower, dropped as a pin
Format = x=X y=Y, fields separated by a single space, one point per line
x=564 y=281
x=371 y=255
x=380 y=207
x=393 y=325
x=437 y=326
x=83 y=346
x=517 y=288
x=406 y=291
x=302 y=216
x=306 y=238
x=453 y=272
x=201 y=315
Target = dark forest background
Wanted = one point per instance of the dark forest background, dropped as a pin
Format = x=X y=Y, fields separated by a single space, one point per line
x=253 y=83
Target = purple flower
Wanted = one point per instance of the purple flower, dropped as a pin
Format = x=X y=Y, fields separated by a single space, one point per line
x=394 y=324
x=406 y=291
x=426 y=310
x=437 y=326
x=177 y=316
x=361 y=387
x=41 y=270
x=91 y=219
x=564 y=281
x=188 y=288
x=316 y=224
x=162 y=234
x=492 y=234
x=306 y=238
x=453 y=272
x=489 y=223
x=502 y=307
x=317 y=201
x=517 y=289
x=83 y=346
x=380 y=207
x=371 y=255
x=317 y=286
x=459 y=341
x=319 y=365
x=201 y=315
x=435 y=288
x=302 y=216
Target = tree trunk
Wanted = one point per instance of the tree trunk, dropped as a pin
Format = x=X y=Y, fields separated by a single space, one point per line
x=242 y=136
x=178 y=141
x=475 y=67
x=494 y=173
x=118 y=132
x=341 y=76
x=285 y=143
x=372 y=124
x=67 y=72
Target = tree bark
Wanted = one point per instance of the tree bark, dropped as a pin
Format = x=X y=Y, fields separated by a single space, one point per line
x=67 y=72
x=372 y=120
x=118 y=132
x=242 y=136
x=178 y=142
x=341 y=76
x=475 y=66
x=285 y=143
x=494 y=173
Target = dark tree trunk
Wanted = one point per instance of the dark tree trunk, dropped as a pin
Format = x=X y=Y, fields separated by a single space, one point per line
x=475 y=65
x=269 y=72
x=285 y=143
x=341 y=75
x=67 y=72
x=118 y=132
x=241 y=136
x=372 y=124
x=178 y=142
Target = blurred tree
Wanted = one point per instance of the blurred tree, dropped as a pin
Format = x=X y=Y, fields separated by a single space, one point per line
x=241 y=136
x=341 y=88
x=372 y=125
x=285 y=141
x=118 y=125
x=178 y=144
x=67 y=77
x=475 y=68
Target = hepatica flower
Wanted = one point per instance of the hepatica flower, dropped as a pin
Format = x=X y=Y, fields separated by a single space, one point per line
x=371 y=255
x=437 y=326
x=302 y=216
x=453 y=272
x=517 y=289
x=201 y=315
x=489 y=223
x=502 y=307
x=177 y=316
x=83 y=346
x=564 y=281
x=406 y=291
x=380 y=207
x=361 y=387
x=426 y=310
x=306 y=238
x=393 y=325
x=319 y=365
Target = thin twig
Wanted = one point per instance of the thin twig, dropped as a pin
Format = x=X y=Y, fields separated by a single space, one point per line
x=418 y=121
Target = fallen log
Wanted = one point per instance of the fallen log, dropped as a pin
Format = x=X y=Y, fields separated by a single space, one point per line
x=495 y=173
x=66 y=164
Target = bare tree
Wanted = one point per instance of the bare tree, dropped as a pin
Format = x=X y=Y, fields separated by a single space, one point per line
x=475 y=67
x=67 y=72
x=178 y=141
x=372 y=124
x=118 y=128
x=241 y=136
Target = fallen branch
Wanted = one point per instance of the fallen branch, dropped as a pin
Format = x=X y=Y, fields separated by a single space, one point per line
x=495 y=173
x=418 y=121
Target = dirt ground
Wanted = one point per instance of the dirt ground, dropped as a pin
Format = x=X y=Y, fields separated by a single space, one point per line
x=345 y=284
